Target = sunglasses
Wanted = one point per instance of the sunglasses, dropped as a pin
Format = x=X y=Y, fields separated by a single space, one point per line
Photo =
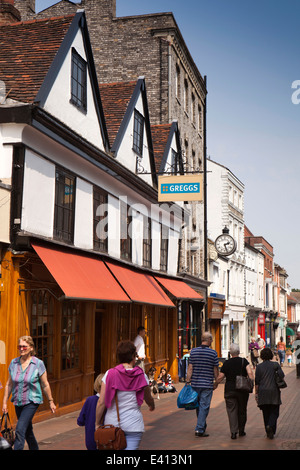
x=23 y=347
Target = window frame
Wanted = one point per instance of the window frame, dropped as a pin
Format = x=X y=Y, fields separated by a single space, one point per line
x=73 y=334
x=147 y=242
x=164 y=248
x=42 y=326
x=125 y=225
x=59 y=231
x=78 y=81
x=100 y=196
x=138 y=133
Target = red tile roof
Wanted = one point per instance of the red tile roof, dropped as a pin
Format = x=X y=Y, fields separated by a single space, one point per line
x=27 y=50
x=115 y=98
x=160 y=134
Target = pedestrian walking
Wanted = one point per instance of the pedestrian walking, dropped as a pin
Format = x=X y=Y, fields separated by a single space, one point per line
x=128 y=384
x=27 y=378
x=254 y=354
x=261 y=342
x=289 y=357
x=267 y=393
x=140 y=347
x=236 y=400
x=296 y=351
x=281 y=348
x=203 y=369
x=87 y=416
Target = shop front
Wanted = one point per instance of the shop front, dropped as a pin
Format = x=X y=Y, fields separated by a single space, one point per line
x=77 y=307
x=267 y=326
x=190 y=328
x=215 y=308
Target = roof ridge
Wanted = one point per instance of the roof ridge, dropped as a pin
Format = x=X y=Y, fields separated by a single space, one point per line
x=39 y=20
x=118 y=83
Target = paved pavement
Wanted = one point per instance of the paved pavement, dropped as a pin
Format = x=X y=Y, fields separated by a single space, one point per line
x=170 y=428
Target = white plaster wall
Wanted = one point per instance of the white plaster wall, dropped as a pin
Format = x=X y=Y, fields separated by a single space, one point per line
x=173 y=252
x=155 y=245
x=113 y=227
x=136 y=231
x=38 y=195
x=214 y=200
x=85 y=124
x=126 y=156
x=83 y=230
x=38 y=212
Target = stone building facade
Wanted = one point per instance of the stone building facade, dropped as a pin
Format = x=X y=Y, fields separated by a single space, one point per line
x=152 y=46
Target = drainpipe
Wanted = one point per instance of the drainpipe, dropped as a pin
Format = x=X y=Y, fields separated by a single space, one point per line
x=205 y=204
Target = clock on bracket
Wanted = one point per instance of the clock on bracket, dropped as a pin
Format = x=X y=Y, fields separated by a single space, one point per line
x=225 y=244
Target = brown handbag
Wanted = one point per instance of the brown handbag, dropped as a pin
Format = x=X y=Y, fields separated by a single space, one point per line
x=109 y=437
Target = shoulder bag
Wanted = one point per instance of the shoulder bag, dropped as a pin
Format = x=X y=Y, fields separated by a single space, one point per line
x=7 y=431
x=255 y=352
x=242 y=383
x=280 y=382
x=109 y=437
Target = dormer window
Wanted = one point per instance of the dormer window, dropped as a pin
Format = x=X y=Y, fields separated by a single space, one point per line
x=78 y=81
x=138 y=133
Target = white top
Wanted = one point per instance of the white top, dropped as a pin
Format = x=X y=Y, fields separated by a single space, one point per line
x=140 y=346
x=131 y=418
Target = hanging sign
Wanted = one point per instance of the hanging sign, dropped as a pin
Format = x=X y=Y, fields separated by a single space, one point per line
x=180 y=188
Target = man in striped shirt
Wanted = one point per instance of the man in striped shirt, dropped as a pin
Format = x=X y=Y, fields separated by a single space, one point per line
x=203 y=369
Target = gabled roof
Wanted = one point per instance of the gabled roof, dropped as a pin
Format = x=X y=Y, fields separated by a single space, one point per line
x=115 y=99
x=27 y=52
x=119 y=100
x=32 y=53
x=162 y=136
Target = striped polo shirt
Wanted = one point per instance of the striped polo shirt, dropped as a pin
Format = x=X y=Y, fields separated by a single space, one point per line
x=26 y=383
x=203 y=360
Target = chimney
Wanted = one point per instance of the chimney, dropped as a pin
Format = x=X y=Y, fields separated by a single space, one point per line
x=8 y=12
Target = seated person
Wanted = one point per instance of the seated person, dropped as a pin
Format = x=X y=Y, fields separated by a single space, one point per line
x=164 y=382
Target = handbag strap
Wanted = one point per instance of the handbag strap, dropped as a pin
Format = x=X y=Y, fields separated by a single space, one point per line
x=6 y=418
x=242 y=365
x=117 y=406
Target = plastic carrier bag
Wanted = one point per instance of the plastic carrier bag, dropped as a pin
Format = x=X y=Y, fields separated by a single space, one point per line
x=188 y=398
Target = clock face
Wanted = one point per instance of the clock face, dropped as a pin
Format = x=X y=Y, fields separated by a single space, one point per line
x=225 y=244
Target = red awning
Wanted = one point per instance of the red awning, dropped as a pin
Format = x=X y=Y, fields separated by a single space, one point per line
x=140 y=287
x=80 y=276
x=179 y=289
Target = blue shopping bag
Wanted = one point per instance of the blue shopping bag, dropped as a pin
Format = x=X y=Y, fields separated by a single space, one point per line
x=188 y=398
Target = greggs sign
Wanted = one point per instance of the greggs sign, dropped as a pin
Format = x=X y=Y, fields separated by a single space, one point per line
x=180 y=188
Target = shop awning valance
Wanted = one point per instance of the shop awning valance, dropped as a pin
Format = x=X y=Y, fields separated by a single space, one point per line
x=80 y=276
x=179 y=289
x=140 y=287
x=290 y=332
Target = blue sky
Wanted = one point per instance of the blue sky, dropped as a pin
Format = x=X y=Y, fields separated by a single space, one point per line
x=249 y=51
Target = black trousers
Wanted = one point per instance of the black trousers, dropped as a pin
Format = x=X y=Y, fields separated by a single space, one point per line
x=236 y=407
x=270 y=415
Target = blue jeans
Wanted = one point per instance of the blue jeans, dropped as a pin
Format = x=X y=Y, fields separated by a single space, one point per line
x=205 y=396
x=24 y=430
x=281 y=354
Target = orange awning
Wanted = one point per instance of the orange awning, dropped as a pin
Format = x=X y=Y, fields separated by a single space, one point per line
x=80 y=276
x=179 y=289
x=140 y=287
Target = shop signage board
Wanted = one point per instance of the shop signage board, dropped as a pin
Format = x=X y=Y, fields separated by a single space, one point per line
x=180 y=188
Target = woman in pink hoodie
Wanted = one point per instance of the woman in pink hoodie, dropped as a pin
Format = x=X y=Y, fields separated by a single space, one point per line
x=131 y=385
